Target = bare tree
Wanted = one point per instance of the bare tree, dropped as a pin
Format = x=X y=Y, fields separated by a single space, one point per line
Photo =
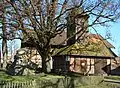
x=4 y=35
x=47 y=19
x=8 y=32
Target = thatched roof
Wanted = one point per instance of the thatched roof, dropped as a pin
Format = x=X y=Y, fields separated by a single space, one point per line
x=97 y=36
x=94 y=46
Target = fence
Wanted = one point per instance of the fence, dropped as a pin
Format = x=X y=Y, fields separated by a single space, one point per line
x=8 y=84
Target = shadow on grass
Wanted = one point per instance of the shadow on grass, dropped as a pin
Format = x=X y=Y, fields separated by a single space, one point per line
x=64 y=82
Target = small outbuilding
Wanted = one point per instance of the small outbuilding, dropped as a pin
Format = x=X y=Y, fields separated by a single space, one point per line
x=93 y=56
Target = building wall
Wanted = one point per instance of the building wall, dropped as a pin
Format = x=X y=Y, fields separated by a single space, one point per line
x=102 y=66
x=82 y=65
x=115 y=66
x=90 y=66
x=97 y=66
x=60 y=64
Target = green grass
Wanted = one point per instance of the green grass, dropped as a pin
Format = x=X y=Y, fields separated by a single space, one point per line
x=100 y=86
x=113 y=77
x=6 y=77
x=84 y=81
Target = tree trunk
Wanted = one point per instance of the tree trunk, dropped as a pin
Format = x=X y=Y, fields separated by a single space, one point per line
x=4 y=52
x=0 y=56
x=46 y=57
x=4 y=41
x=46 y=63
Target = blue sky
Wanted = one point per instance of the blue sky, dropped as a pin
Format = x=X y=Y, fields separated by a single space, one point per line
x=115 y=35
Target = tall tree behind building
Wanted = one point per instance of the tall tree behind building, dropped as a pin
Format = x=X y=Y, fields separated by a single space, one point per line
x=47 y=19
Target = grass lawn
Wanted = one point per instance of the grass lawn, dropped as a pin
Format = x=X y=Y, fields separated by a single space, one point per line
x=52 y=79
x=6 y=77
x=103 y=85
x=113 y=77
